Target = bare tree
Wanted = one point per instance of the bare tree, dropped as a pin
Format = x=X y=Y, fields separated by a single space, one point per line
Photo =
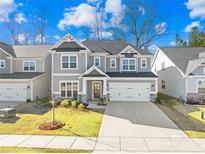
x=39 y=26
x=143 y=22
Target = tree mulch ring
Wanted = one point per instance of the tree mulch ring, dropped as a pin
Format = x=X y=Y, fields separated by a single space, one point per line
x=51 y=125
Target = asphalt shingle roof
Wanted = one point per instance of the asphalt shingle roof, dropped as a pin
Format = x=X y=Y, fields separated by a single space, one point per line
x=129 y=74
x=69 y=46
x=7 y=48
x=181 y=56
x=21 y=75
x=112 y=47
x=31 y=50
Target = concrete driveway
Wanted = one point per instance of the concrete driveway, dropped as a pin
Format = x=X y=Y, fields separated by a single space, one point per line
x=141 y=126
x=137 y=119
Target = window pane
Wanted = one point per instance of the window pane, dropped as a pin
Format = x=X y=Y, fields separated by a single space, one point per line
x=69 y=89
x=65 y=62
x=26 y=66
x=75 y=86
x=125 y=62
x=75 y=93
x=97 y=62
x=113 y=63
x=73 y=62
x=63 y=90
x=125 y=67
x=132 y=67
x=2 y=64
x=132 y=62
x=32 y=66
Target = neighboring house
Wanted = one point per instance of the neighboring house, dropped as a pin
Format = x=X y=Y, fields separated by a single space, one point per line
x=24 y=72
x=181 y=72
x=99 y=69
x=71 y=69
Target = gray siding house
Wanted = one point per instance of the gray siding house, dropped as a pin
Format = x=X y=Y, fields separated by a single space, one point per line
x=181 y=72
x=25 y=72
x=101 y=69
x=71 y=69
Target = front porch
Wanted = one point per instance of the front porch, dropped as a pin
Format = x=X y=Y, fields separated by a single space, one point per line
x=94 y=84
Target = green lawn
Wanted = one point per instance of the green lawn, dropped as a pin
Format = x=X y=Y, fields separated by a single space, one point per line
x=179 y=113
x=81 y=123
x=38 y=150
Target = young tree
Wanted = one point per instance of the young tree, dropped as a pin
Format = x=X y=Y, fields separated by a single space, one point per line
x=194 y=37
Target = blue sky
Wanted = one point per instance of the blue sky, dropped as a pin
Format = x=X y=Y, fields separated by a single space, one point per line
x=178 y=15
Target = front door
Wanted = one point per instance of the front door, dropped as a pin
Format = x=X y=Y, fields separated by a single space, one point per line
x=96 y=90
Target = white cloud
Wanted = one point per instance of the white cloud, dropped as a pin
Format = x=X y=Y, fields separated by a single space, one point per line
x=193 y=24
x=197 y=8
x=20 y=18
x=57 y=37
x=21 y=38
x=161 y=28
x=38 y=38
x=173 y=43
x=117 y=9
x=83 y=15
x=6 y=8
x=152 y=48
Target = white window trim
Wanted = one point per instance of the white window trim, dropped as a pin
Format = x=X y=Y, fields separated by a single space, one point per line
x=3 y=63
x=111 y=62
x=143 y=59
x=128 y=64
x=203 y=70
x=99 y=61
x=66 y=81
x=29 y=61
x=69 y=62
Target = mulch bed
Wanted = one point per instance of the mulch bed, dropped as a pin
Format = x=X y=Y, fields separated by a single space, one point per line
x=51 y=125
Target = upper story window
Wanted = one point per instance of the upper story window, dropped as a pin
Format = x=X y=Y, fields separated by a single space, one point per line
x=143 y=63
x=128 y=64
x=2 y=63
x=29 y=66
x=97 y=61
x=113 y=63
x=69 y=62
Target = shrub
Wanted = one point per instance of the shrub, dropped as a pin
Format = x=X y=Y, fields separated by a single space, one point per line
x=157 y=100
x=64 y=103
x=74 y=103
x=81 y=106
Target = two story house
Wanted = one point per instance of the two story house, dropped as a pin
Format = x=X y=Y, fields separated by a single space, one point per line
x=25 y=72
x=181 y=72
x=71 y=69
x=101 y=69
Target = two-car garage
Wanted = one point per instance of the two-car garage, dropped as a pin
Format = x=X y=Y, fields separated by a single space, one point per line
x=129 y=91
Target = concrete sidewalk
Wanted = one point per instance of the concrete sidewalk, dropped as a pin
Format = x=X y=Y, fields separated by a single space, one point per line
x=103 y=144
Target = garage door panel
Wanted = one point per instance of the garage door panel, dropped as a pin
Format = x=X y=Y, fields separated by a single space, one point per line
x=12 y=92
x=129 y=91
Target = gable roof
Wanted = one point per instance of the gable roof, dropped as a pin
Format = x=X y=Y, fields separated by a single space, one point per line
x=181 y=56
x=7 y=48
x=31 y=50
x=94 y=72
x=112 y=47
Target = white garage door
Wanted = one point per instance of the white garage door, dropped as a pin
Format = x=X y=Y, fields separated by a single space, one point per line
x=12 y=92
x=129 y=91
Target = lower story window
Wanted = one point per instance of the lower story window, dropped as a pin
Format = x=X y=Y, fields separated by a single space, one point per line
x=69 y=89
x=201 y=86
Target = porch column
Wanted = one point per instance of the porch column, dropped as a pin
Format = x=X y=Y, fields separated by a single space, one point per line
x=104 y=87
x=84 y=86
